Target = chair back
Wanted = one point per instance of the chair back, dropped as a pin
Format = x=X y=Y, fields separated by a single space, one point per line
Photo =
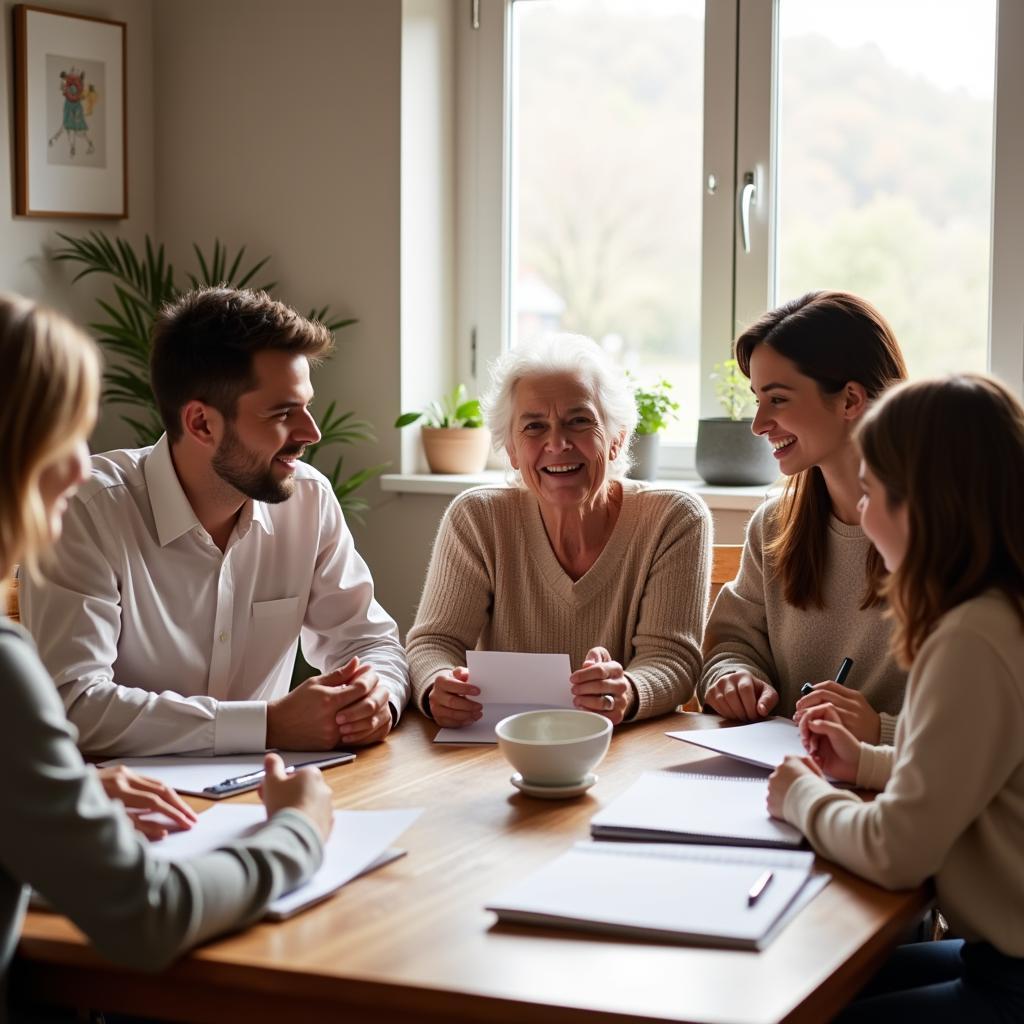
x=725 y=565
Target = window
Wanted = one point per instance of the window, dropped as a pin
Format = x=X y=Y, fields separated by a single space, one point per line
x=608 y=147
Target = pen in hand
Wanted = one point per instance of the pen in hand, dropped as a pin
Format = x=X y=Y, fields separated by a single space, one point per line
x=841 y=673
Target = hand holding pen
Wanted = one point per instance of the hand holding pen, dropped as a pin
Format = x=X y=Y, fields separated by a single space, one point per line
x=852 y=707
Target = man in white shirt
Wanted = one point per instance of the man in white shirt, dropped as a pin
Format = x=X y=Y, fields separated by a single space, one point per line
x=170 y=615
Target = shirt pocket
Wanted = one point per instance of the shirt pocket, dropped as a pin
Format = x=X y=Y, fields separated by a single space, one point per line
x=273 y=632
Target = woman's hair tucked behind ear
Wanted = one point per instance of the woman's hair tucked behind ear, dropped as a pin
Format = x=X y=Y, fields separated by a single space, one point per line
x=48 y=395
x=833 y=338
x=952 y=451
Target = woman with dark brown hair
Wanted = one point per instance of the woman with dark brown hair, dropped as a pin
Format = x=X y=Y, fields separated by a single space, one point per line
x=805 y=597
x=943 y=502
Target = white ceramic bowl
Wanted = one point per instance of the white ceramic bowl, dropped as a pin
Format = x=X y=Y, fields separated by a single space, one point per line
x=554 y=747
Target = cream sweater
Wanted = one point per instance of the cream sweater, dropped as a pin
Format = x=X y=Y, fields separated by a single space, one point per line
x=753 y=627
x=494 y=584
x=958 y=818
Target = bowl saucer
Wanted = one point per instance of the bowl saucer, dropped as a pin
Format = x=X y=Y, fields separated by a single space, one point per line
x=553 y=792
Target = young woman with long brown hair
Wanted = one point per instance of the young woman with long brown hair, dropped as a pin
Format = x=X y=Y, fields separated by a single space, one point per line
x=62 y=834
x=805 y=597
x=943 y=502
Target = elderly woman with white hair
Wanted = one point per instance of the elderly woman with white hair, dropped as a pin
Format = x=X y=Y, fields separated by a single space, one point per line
x=574 y=559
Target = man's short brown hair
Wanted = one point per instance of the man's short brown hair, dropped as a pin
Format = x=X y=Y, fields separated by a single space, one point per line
x=203 y=345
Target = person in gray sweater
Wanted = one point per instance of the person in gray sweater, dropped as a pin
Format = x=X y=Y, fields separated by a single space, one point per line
x=56 y=813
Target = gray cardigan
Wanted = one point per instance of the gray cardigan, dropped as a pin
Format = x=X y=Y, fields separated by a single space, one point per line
x=63 y=836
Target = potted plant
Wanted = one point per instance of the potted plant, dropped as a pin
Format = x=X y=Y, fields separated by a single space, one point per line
x=728 y=452
x=655 y=409
x=455 y=439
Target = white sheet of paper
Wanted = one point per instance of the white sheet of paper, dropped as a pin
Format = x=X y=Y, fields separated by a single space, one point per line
x=193 y=774
x=766 y=744
x=510 y=683
x=358 y=839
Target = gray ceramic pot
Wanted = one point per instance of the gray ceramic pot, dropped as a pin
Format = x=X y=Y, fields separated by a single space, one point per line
x=643 y=450
x=729 y=454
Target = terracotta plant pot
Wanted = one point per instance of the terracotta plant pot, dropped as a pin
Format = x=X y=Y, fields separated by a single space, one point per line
x=456 y=449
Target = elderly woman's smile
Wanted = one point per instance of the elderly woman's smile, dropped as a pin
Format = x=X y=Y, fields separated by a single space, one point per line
x=558 y=440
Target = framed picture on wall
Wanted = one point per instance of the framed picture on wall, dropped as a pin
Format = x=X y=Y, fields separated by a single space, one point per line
x=70 y=115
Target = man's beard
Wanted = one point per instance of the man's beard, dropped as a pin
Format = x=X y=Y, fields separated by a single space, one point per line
x=245 y=470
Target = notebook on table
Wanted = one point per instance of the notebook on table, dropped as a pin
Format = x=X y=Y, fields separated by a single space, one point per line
x=682 y=807
x=693 y=895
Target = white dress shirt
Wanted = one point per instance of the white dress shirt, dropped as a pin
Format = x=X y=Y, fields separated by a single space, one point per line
x=161 y=643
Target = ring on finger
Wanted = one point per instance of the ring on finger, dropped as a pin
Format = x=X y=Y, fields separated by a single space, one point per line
x=607 y=702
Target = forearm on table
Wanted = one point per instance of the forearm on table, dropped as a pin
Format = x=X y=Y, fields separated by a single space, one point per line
x=127 y=721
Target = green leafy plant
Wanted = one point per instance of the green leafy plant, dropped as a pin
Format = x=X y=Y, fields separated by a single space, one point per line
x=733 y=389
x=655 y=407
x=142 y=284
x=453 y=410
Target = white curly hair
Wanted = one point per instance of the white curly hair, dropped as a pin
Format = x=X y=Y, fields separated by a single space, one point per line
x=556 y=354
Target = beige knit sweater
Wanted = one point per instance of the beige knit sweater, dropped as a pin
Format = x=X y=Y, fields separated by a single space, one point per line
x=494 y=584
x=753 y=627
x=958 y=818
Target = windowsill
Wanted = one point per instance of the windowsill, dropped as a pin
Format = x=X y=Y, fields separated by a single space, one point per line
x=738 y=499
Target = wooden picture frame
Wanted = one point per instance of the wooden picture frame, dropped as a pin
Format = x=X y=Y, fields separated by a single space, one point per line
x=71 y=124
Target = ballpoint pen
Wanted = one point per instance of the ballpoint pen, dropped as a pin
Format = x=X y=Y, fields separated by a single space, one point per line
x=841 y=674
x=250 y=779
x=758 y=888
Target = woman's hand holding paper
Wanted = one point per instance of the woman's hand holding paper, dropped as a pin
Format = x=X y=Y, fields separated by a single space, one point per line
x=450 y=699
x=602 y=686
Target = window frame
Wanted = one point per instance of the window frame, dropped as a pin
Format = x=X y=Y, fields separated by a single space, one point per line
x=740 y=130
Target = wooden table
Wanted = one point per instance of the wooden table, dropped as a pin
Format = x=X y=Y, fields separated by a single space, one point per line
x=411 y=941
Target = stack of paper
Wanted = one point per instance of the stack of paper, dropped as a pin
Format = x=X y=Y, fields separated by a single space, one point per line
x=683 y=807
x=510 y=684
x=688 y=894
x=359 y=841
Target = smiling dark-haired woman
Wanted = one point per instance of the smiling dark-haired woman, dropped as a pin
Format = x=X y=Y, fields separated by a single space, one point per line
x=572 y=559
x=806 y=593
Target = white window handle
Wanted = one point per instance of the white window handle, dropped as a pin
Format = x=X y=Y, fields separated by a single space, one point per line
x=747 y=196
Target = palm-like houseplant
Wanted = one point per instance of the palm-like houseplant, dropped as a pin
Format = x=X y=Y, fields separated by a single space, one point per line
x=141 y=286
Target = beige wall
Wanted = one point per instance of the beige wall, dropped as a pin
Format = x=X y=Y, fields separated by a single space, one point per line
x=26 y=241
x=283 y=131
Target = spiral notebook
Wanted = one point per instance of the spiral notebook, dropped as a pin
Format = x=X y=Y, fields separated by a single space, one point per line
x=695 y=895
x=684 y=807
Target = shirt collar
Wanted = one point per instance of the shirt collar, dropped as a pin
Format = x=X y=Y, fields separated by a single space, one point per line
x=261 y=516
x=172 y=512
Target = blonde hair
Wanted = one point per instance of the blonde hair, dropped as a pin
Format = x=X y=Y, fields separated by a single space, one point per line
x=48 y=396
x=952 y=451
